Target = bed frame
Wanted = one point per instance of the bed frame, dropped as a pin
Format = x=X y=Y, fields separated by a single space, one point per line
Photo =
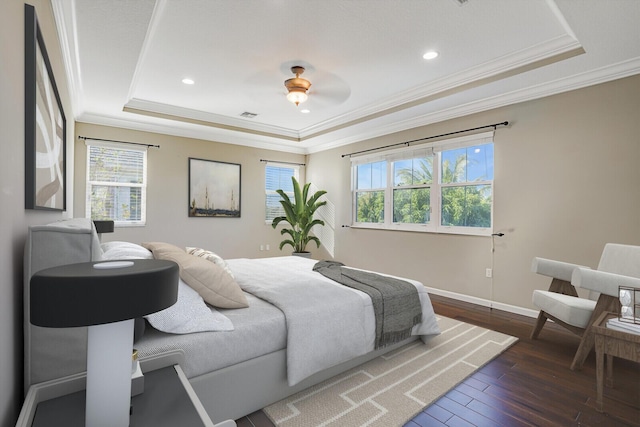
x=228 y=393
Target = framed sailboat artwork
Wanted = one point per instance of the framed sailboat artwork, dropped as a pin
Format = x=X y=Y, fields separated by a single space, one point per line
x=214 y=189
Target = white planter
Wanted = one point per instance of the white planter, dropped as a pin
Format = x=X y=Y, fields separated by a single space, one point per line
x=302 y=254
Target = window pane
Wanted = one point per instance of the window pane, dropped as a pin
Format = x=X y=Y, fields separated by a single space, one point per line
x=454 y=166
x=116 y=203
x=273 y=206
x=480 y=163
x=116 y=165
x=466 y=206
x=279 y=178
x=370 y=206
x=379 y=175
x=418 y=171
x=411 y=205
x=371 y=175
x=123 y=199
x=467 y=164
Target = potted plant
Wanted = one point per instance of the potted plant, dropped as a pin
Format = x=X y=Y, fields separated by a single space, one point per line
x=299 y=215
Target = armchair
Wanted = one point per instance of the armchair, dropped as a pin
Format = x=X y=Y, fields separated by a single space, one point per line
x=619 y=266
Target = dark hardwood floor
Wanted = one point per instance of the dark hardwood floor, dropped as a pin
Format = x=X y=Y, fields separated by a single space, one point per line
x=528 y=385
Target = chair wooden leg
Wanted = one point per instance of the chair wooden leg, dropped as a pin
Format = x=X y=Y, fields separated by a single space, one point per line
x=539 y=325
x=562 y=287
x=605 y=303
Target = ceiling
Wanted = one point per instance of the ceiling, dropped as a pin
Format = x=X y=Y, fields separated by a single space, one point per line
x=125 y=60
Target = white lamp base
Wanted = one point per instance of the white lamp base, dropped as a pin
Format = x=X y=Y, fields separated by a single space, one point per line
x=109 y=374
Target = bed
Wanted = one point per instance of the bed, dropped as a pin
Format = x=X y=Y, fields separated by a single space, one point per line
x=262 y=347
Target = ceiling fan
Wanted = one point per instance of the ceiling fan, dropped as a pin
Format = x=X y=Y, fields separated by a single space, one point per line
x=321 y=88
x=297 y=86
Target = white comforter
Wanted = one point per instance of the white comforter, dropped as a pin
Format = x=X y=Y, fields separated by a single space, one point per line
x=327 y=323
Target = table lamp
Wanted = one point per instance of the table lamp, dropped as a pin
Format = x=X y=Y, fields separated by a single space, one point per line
x=106 y=297
x=103 y=226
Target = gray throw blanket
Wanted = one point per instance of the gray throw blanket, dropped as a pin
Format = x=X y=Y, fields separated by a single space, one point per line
x=396 y=303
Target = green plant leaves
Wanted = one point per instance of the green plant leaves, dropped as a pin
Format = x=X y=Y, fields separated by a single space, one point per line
x=299 y=215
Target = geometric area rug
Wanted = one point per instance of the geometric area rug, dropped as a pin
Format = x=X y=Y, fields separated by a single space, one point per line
x=391 y=389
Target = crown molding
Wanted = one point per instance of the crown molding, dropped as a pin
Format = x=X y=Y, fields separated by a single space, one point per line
x=224 y=136
x=152 y=28
x=578 y=81
x=538 y=55
x=171 y=112
x=373 y=130
x=68 y=39
x=544 y=53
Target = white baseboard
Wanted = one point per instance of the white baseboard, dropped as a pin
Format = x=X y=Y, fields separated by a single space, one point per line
x=484 y=302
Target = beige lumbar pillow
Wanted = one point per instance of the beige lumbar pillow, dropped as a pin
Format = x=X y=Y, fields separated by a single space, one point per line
x=214 y=284
x=210 y=256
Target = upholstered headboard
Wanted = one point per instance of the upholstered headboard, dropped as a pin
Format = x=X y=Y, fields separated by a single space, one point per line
x=51 y=353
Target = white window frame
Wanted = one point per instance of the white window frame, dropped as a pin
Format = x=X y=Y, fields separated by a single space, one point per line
x=143 y=186
x=296 y=174
x=435 y=149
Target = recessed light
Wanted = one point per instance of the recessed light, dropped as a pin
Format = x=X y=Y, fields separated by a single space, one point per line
x=305 y=111
x=188 y=81
x=430 y=55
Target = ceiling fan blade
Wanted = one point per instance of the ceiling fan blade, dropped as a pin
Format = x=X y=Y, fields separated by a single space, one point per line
x=328 y=89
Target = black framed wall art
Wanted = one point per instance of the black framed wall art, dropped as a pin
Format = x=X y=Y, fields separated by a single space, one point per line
x=214 y=188
x=45 y=125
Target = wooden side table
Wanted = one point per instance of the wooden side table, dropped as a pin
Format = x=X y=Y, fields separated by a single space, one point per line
x=611 y=342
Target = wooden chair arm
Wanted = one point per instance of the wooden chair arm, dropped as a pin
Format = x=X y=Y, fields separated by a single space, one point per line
x=602 y=282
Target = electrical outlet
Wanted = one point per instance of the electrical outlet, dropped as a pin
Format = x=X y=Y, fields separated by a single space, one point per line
x=262 y=247
x=268 y=247
x=488 y=272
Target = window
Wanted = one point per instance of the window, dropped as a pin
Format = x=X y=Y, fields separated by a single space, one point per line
x=412 y=179
x=466 y=186
x=370 y=188
x=277 y=177
x=446 y=187
x=116 y=183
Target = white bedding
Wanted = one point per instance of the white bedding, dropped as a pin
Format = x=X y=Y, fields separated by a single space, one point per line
x=339 y=327
x=324 y=322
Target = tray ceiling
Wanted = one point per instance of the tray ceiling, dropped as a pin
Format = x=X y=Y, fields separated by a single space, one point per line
x=126 y=60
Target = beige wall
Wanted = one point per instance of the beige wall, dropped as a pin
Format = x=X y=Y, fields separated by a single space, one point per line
x=167 y=194
x=566 y=182
x=14 y=219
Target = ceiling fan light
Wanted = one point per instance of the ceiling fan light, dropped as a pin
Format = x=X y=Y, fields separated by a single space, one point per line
x=297 y=86
x=297 y=96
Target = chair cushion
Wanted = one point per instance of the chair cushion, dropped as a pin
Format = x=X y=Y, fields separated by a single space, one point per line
x=572 y=310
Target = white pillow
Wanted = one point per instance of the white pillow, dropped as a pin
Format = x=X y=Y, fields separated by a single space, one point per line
x=124 y=250
x=189 y=314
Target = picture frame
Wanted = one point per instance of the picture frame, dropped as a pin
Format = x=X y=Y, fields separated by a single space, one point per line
x=45 y=125
x=214 y=188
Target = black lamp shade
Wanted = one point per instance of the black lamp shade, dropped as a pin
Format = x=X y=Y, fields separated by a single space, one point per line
x=81 y=295
x=103 y=226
